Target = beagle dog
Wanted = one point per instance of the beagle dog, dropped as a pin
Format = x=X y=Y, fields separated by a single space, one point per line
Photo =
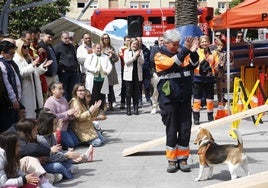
x=211 y=153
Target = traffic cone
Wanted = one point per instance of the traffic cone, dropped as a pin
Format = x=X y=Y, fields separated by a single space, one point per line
x=254 y=101
x=240 y=105
x=220 y=113
x=227 y=110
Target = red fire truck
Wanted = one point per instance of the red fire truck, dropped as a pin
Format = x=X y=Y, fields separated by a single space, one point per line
x=154 y=21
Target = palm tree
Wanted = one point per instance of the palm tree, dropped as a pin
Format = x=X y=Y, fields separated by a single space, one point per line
x=185 y=12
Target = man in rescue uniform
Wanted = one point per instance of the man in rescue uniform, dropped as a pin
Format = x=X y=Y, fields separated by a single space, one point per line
x=174 y=69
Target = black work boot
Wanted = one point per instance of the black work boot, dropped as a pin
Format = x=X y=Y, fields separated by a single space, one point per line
x=122 y=105
x=210 y=116
x=111 y=108
x=196 y=118
x=172 y=167
x=128 y=108
x=136 y=109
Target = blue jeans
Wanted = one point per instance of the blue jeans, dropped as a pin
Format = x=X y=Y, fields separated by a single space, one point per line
x=69 y=139
x=59 y=168
x=97 y=141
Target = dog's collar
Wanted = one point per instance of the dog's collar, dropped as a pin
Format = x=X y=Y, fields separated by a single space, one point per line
x=204 y=150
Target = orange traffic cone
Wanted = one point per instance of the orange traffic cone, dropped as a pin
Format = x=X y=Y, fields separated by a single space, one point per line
x=254 y=101
x=220 y=112
x=240 y=105
x=227 y=110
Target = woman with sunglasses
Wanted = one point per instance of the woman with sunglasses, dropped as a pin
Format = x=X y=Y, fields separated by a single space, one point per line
x=32 y=97
x=109 y=50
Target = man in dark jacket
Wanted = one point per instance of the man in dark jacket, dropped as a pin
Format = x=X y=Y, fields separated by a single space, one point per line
x=146 y=74
x=68 y=64
x=45 y=44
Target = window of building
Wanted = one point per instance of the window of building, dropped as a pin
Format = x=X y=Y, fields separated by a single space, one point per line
x=145 y=5
x=171 y=4
x=221 y=5
x=134 y=5
x=83 y=3
x=202 y=0
x=139 y=4
x=80 y=5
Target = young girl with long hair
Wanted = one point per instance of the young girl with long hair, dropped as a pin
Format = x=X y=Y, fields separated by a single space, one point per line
x=27 y=137
x=58 y=161
x=10 y=175
x=58 y=105
x=83 y=122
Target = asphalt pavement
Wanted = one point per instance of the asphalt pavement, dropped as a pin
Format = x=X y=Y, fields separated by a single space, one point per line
x=147 y=169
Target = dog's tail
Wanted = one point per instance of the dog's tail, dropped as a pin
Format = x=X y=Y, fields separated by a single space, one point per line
x=239 y=139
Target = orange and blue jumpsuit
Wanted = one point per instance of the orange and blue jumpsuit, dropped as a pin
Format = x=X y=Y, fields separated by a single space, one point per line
x=175 y=92
x=203 y=84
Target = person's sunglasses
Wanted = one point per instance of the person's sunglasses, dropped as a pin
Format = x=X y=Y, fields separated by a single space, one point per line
x=25 y=46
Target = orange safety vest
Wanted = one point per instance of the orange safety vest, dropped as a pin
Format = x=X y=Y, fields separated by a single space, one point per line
x=209 y=57
x=164 y=62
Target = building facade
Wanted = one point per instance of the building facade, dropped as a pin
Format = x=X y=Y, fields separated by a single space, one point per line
x=76 y=6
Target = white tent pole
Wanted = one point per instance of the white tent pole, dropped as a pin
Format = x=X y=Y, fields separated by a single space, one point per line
x=228 y=66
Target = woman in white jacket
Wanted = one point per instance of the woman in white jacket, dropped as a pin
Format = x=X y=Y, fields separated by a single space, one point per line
x=32 y=97
x=133 y=58
x=98 y=66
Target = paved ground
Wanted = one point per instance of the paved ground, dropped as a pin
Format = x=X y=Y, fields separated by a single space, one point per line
x=148 y=169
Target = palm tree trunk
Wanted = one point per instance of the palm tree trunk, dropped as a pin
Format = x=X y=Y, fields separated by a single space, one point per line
x=185 y=12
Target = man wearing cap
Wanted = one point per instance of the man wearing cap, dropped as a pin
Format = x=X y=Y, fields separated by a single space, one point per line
x=174 y=68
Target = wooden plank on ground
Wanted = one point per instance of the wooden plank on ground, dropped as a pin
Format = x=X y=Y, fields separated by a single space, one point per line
x=212 y=124
x=259 y=180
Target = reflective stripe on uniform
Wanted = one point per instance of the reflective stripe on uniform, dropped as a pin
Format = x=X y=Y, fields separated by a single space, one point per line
x=196 y=105
x=175 y=75
x=176 y=60
x=171 y=153
x=183 y=152
x=210 y=105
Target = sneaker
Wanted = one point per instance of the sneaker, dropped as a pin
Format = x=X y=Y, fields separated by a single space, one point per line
x=58 y=178
x=74 y=169
x=46 y=185
x=184 y=166
x=172 y=167
x=89 y=153
x=50 y=178
x=153 y=111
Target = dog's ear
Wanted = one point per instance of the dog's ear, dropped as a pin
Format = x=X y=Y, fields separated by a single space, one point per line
x=211 y=137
